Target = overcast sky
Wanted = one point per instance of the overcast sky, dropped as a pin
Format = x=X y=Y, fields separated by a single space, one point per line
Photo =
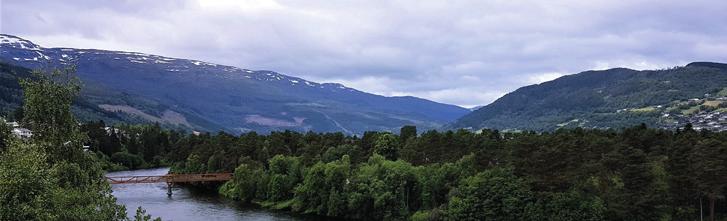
x=459 y=52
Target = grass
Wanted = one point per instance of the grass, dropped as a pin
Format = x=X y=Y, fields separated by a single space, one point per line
x=712 y=103
x=282 y=205
x=723 y=92
x=691 y=110
x=643 y=109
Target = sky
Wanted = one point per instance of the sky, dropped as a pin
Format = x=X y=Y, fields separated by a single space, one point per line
x=461 y=52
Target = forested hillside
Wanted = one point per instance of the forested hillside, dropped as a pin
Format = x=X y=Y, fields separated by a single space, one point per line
x=611 y=98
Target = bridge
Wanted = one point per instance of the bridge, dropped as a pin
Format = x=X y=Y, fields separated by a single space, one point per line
x=171 y=179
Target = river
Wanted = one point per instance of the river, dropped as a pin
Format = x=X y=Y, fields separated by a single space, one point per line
x=188 y=203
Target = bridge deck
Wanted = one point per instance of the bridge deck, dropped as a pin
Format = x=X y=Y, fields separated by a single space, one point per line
x=171 y=178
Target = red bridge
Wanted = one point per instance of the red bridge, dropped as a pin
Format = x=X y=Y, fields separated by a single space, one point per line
x=171 y=179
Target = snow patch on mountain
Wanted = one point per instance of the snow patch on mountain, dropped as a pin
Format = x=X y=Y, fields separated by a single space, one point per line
x=16 y=42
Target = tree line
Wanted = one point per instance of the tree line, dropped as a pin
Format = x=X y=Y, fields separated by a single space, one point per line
x=635 y=173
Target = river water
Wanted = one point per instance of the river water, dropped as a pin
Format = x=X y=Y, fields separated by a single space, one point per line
x=187 y=203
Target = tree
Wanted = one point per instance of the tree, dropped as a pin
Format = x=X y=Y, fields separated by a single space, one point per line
x=25 y=183
x=322 y=189
x=47 y=105
x=568 y=206
x=195 y=164
x=495 y=194
x=407 y=132
x=335 y=153
x=245 y=183
x=216 y=162
x=142 y=216
x=709 y=168
x=383 y=189
x=285 y=174
x=18 y=114
x=5 y=134
x=50 y=177
x=128 y=160
x=387 y=145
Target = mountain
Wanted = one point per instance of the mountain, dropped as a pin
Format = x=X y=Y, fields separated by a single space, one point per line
x=203 y=96
x=614 y=98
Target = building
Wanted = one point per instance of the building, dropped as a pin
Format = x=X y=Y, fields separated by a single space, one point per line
x=22 y=133
x=13 y=124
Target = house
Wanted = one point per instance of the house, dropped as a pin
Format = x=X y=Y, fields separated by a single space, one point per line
x=22 y=133
x=13 y=124
x=110 y=130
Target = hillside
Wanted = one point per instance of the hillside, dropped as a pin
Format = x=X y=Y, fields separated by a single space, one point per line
x=11 y=97
x=612 y=98
x=204 y=96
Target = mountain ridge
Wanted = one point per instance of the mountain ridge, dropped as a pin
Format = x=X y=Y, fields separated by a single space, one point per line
x=613 y=98
x=238 y=99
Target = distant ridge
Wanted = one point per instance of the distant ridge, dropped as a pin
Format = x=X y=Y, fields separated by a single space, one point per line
x=198 y=95
x=614 y=98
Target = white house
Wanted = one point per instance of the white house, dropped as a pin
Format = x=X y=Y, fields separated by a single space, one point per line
x=22 y=132
x=13 y=124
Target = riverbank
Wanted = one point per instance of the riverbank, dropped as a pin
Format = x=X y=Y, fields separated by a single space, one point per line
x=191 y=203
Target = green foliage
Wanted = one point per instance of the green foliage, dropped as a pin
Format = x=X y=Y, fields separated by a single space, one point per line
x=570 y=174
x=285 y=174
x=47 y=106
x=407 y=132
x=568 y=206
x=5 y=134
x=128 y=160
x=420 y=216
x=383 y=189
x=25 y=183
x=215 y=162
x=195 y=164
x=142 y=216
x=335 y=153
x=387 y=145
x=495 y=194
x=50 y=176
x=245 y=183
x=33 y=189
x=322 y=189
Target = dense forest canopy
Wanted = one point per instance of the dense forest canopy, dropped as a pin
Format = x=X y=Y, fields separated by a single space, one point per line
x=635 y=173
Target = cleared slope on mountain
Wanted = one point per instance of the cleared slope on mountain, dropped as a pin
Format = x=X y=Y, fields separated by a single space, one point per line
x=611 y=98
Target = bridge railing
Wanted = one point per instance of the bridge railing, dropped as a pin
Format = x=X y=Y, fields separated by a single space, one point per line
x=136 y=179
x=171 y=178
x=206 y=177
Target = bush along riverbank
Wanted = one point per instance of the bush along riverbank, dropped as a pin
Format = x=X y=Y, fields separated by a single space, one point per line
x=382 y=189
